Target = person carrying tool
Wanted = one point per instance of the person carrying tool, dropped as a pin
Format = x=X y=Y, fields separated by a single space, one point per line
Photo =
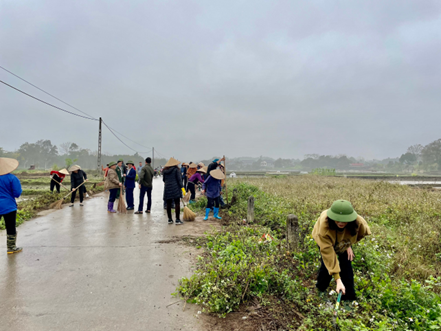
x=336 y=230
x=145 y=186
x=173 y=189
x=112 y=184
x=212 y=189
x=214 y=164
x=10 y=189
x=77 y=177
x=57 y=178
x=194 y=180
x=130 y=184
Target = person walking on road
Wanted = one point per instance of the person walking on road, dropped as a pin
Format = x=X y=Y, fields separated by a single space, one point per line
x=130 y=184
x=194 y=180
x=10 y=189
x=145 y=185
x=77 y=177
x=212 y=189
x=112 y=184
x=173 y=189
x=335 y=231
x=57 y=178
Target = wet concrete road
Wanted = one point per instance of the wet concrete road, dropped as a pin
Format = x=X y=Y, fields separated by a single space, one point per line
x=85 y=269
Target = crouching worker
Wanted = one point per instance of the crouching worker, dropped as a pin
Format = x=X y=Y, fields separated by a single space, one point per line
x=10 y=189
x=212 y=189
x=336 y=230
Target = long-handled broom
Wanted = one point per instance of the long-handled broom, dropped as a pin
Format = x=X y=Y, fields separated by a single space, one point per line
x=189 y=215
x=121 y=205
x=57 y=204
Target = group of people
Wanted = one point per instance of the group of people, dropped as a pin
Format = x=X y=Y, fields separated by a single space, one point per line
x=78 y=178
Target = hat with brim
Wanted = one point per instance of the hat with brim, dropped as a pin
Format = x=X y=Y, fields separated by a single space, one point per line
x=112 y=164
x=120 y=160
x=202 y=170
x=217 y=174
x=171 y=163
x=185 y=164
x=130 y=162
x=342 y=211
x=205 y=168
x=193 y=166
x=201 y=164
x=74 y=168
x=7 y=165
x=64 y=172
x=215 y=160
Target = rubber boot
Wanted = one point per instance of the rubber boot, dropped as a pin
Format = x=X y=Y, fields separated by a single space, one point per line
x=207 y=212
x=110 y=208
x=216 y=213
x=11 y=240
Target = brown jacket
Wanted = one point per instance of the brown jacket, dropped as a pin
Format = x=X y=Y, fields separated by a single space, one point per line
x=112 y=180
x=332 y=242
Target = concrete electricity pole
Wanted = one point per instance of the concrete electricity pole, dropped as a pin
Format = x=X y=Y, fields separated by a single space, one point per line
x=99 y=147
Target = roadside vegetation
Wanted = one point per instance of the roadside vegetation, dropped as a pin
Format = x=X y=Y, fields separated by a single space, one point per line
x=397 y=269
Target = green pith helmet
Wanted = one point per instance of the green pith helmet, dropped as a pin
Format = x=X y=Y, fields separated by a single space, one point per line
x=120 y=160
x=112 y=164
x=130 y=162
x=342 y=211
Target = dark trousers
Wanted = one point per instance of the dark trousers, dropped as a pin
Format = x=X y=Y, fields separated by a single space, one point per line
x=129 y=197
x=144 y=190
x=10 y=222
x=346 y=275
x=191 y=188
x=112 y=194
x=213 y=202
x=74 y=193
x=56 y=185
x=185 y=181
x=177 y=207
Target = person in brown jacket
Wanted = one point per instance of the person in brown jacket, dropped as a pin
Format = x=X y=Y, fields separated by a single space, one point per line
x=335 y=231
x=112 y=184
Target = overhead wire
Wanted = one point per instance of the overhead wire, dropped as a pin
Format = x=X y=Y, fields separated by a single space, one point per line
x=120 y=139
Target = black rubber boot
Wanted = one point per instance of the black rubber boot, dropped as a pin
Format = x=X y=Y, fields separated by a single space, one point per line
x=11 y=240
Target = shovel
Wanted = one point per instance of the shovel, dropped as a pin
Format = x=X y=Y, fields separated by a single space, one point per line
x=337 y=305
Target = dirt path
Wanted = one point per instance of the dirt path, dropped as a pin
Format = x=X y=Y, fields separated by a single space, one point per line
x=85 y=269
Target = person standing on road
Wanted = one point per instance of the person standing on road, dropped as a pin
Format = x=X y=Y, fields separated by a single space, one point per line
x=335 y=231
x=138 y=169
x=120 y=170
x=112 y=184
x=130 y=184
x=146 y=186
x=173 y=189
x=184 y=168
x=194 y=180
x=77 y=177
x=57 y=178
x=212 y=189
x=10 y=189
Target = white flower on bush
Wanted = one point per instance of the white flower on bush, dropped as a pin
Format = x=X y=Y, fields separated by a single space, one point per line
x=332 y=292
x=410 y=319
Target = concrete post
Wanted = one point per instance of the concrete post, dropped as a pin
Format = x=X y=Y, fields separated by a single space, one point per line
x=250 y=212
x=292 y=231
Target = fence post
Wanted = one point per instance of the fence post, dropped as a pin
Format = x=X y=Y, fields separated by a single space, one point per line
x=292 y=231
x=250 y=212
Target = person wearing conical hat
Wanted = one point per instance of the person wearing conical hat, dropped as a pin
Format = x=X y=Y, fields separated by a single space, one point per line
x=77 y=177
x=336 y=230
x=192 y=168
x=129 y=184
x=212 y=190
x=195 y=180
x=56 y=179
x=214 y=164
x=112 y=184
x=10 y=189
x=173 y=189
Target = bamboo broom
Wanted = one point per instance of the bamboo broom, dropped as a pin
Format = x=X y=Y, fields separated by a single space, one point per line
x=57 y=204
x=121 y=205
x=189 y=215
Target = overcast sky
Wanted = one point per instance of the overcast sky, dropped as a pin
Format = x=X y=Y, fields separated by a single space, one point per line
x=242 y=78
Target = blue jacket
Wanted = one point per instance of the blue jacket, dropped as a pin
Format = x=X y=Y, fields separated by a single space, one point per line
x=130 y=179
x=212 y=187
x=10 y=188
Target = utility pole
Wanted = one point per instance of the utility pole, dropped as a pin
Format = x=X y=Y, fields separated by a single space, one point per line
x=99 y=147
x=153 y=157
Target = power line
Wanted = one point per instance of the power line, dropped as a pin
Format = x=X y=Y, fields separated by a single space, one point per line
x=46 y=92
x=120 y=139
x=49 y=104
x=129 y=138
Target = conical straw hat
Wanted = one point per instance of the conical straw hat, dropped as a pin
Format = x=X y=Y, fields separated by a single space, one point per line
x=7 y=165
x=64 y=172
x=171 y=163
x=217 y=173
x=75 y=167
x=193 y=165
x=202 y=170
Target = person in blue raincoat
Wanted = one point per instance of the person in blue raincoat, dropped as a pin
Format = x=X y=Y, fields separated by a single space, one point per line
x=129 y=184
x=10 y=189
x=212 y=190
